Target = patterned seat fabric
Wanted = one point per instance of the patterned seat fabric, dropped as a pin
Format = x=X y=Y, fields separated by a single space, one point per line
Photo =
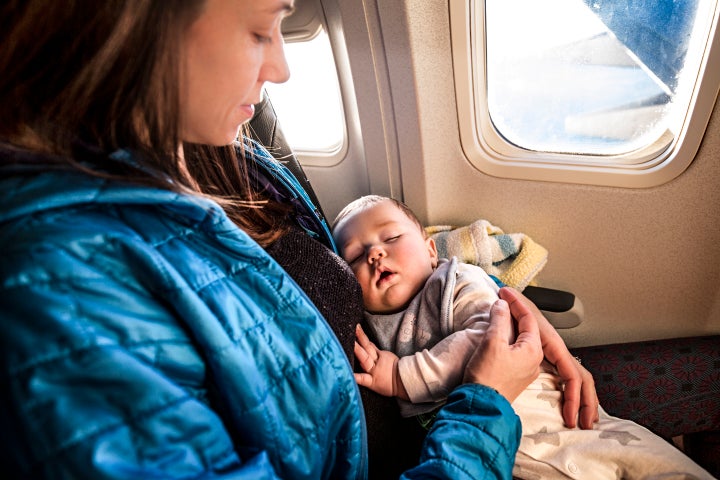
x=671 y=387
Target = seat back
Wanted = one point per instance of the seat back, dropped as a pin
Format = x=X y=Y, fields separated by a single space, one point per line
x=265 y=128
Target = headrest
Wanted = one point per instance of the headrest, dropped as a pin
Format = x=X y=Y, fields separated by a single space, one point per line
x=265 y=128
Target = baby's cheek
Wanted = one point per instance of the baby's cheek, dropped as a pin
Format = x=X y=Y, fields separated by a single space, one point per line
x=367 y=298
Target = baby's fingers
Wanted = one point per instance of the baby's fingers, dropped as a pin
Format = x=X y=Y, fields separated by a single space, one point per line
x=363 y=339
x=364 y=379
x=367 y=362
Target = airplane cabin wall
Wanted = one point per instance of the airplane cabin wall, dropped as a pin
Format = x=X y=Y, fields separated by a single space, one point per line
x=644 y=262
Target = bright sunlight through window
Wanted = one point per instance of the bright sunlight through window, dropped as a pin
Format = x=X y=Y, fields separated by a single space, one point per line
x=600 y=92
x=595 y=76
x=309 y=105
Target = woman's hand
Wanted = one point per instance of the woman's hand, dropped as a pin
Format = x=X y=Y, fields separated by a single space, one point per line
x=381 y=367
x=508 y=368
x=579 y=387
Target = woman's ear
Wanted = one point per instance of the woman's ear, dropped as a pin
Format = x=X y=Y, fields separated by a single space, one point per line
x=432 y=250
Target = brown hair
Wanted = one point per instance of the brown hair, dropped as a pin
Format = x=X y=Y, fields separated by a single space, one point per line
x=368 y=201
x=105 y=74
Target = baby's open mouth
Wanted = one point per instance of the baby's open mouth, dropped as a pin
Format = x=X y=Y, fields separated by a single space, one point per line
x=384 y=275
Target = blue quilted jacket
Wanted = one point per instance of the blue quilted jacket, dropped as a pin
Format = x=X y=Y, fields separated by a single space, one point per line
x=145 y=336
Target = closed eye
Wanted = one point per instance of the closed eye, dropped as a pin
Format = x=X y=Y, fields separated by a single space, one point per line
x=262 y=38
x=353 y=258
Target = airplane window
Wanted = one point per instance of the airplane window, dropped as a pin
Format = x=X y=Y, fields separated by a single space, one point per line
x=592 y=76
x=581 y=84
x=309 y=105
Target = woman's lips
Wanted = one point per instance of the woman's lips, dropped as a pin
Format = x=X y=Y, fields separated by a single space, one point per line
x=247 y=110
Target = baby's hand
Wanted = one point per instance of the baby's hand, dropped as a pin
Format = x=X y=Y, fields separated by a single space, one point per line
x=381 y=367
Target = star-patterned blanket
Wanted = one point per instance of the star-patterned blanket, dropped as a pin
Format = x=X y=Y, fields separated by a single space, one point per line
x=614 y=448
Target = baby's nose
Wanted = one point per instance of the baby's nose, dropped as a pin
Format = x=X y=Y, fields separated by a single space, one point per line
x=375 y=254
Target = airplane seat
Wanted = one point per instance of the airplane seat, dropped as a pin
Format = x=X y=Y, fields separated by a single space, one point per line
x=265 y=128
x=671 y=387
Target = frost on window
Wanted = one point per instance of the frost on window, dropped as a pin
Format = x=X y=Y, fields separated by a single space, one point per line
x=597 y=77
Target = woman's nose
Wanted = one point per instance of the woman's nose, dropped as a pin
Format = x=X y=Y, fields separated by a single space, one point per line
x=275 y=69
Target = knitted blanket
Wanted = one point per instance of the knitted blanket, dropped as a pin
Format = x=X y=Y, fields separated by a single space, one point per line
x=514 y=258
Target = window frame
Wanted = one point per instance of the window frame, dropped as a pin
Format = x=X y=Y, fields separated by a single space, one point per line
x=486 y=149
x=304 y=25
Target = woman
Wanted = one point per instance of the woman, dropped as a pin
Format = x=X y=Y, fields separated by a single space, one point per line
x=145 y=332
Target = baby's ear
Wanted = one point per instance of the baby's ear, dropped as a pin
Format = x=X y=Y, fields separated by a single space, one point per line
x=432 y=250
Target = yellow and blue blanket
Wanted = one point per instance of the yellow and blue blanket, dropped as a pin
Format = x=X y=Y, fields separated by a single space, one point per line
x=513 y=258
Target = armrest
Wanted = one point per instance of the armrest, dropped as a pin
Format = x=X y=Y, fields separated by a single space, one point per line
x=549 y=299
x=562 y=309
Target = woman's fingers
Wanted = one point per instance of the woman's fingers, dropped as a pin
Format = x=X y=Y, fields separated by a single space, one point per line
x=527 y=325
x=580 y=402
x=589 y=414
x=498 y=362
x=571 y=401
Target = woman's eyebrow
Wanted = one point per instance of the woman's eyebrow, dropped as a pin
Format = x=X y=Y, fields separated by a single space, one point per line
x=286 y=7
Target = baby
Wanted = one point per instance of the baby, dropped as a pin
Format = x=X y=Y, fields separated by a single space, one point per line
x=428 y=316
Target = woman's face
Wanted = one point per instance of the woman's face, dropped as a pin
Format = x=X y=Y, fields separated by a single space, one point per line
x=230 y=51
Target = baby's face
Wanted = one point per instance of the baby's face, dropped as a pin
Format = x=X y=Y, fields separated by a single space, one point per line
x=389 y=255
